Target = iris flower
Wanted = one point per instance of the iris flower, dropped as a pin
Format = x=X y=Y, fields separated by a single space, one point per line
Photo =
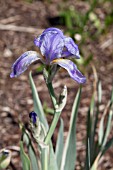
x=55 y=48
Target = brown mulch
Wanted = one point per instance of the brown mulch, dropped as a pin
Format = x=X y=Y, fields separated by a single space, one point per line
x=15 y=94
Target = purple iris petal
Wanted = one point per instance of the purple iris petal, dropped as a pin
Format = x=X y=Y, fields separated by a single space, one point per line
x=67 y=54
x=38 y=41
x=33 y=117
x=71 y=47
x=22 y=63
x=52 y=46
x=72 y=69
x=53 y=30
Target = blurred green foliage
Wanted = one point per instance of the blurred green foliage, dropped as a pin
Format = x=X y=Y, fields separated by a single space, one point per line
x=87 y=26
x=109 y=19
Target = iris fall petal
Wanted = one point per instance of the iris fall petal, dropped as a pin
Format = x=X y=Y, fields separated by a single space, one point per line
x=74 y=73
x=22 y=63
x=51 y=31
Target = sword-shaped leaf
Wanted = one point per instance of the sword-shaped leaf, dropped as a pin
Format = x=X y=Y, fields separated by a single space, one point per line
x=39 y=110
x=32 y=155
x=24 y=158
x=60 y=144
x=37 y=103
x=69 y=154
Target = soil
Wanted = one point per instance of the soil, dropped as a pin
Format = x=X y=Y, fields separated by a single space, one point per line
x=15 y=94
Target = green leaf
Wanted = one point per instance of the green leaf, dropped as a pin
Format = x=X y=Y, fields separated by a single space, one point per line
x=90 y=137
x=32 y=155
x=95 y=116
x=95 y=164
x=24 y=158
x=33 y=158
x=101 y=130
x=37 y=103
x=53 y=162
x=39 y=110
x=107 y=146
x=44 y=158
x=94 y=121
x=69 y=154
x=111 y=98
x=104 y=146
x=101 y=126
x=109 y=121
x=60 y=144
x=103 y=133
x=108 y=127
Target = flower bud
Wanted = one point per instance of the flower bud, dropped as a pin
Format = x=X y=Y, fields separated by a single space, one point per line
x=5 y=158
x=33 y=117
x=37 y=128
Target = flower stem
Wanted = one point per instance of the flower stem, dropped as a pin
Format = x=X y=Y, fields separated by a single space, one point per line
x=52 y=127
x=52 y=94
x=56 y=113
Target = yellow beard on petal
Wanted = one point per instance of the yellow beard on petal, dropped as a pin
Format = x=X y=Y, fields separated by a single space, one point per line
x=56 y=60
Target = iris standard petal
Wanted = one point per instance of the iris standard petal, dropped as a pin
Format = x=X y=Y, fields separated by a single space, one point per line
x=52 y=46
x=52 y=30
x=67 y=54
x=74 y=73
x=22 y=63
x=37 y=41
x=72 y=47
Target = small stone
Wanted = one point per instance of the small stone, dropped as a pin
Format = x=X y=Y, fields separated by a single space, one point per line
x=7 y=53
x=29 y=101
x=6 y=109
x=77 y=37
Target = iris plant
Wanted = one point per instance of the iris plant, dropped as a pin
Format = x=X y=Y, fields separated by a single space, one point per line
x=55 y=51
x=55 y=48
